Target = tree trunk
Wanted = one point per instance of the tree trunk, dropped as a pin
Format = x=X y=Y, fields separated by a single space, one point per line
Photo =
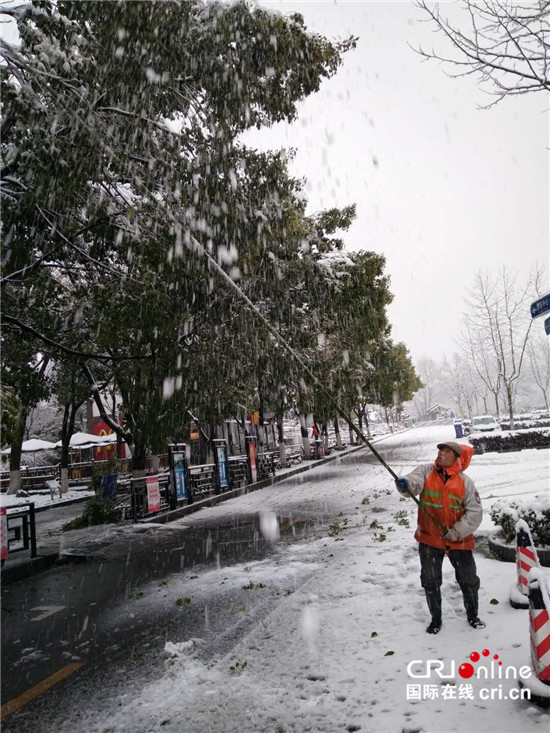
x=281 y=440
x=325 y=436
x=15 y=454
x=203 y=447
x=388 y=420
x=139 y=460
x=240 y=448
x=497 y=406
x=226 y=427
x=210 y=445
x=365 y=412
x=305 y=438
x=118 y=451
x=360 y=418
x=510 y=395
x=69 y=415
x=261 y=426
x=337 y=434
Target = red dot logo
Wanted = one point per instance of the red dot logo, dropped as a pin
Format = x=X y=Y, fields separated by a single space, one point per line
x=466 y=670
x=485 y=652
x=474 y=656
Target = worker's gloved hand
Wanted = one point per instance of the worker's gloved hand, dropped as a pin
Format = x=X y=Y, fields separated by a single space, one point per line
x=451 y=535
x=402 y=485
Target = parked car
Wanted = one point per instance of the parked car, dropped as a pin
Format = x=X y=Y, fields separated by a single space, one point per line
x=484 y=424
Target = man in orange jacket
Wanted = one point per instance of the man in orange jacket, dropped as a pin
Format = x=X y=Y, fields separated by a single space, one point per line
x=452 y=499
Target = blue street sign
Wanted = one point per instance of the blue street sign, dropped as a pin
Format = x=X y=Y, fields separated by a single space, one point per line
x=540 y=306
x=547 y=326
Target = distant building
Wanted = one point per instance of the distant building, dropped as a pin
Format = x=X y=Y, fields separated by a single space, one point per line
x=438 y=411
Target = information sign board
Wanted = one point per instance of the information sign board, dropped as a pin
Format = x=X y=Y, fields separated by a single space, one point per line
x=180 y=478
x=3 y=533
x=540 y=306
x=153 y=494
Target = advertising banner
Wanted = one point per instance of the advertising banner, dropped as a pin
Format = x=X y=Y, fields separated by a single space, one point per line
x=222 y=464
x=104 y=452
x=3 y=534
x=153 y=494
x=180 y=479
x=253 y=466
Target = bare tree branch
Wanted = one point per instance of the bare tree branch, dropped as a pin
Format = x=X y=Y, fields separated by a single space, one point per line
x=504 y=42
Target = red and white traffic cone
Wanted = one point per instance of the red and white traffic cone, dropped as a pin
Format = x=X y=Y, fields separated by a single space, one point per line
x=526 y=558
x=539 y=622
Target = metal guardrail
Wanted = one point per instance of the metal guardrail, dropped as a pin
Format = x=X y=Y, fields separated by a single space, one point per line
x=266 y=464
x=238 y=471
x=202 y=480
x=140 y=496
x=21 y=528
x=31 y=477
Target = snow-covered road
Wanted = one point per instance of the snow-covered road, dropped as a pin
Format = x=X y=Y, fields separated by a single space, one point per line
x=332 y=654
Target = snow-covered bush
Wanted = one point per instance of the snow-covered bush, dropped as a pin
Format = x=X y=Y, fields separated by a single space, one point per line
x=511 y=441
x=525 y=424
x=536 y=512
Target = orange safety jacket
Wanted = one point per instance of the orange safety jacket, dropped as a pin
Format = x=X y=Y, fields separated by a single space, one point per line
x=451 y=497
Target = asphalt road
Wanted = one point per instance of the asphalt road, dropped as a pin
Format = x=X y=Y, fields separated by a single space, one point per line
x=63 y=633
x=76 y=634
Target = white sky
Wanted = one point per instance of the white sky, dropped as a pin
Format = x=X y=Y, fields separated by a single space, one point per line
x=454 y=188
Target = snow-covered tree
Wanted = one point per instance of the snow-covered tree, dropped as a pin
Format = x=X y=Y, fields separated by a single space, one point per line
x=538 y=351
x=430 y=375
x=122 y=165
x=498 y=324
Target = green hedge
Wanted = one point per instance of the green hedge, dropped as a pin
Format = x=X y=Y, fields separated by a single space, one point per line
x=536 y=513
x=513 y=441
x=526 y=424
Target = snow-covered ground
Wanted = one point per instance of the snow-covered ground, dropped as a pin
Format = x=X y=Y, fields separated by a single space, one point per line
x=43 y=499
x=333 y=654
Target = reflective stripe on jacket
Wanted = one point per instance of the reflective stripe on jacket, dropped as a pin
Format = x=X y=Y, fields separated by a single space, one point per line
x=454 y=502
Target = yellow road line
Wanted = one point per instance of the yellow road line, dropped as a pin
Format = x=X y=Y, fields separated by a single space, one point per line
x=290 y=524
x=18 y=702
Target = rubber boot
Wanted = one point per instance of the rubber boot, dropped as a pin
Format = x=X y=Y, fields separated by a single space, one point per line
x=471 y=605
x=433 y=598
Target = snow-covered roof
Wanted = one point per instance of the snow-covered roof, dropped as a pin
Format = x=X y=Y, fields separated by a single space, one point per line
x=32 y=446
x=87 y=440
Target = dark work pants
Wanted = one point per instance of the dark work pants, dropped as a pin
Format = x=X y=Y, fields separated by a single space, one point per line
x=431 y=561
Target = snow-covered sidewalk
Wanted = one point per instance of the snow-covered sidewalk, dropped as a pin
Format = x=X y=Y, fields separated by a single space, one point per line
x=333 y=654
x=44 y=499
